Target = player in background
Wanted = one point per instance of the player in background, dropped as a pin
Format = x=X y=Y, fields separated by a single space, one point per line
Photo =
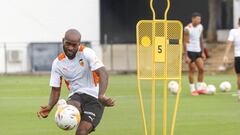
x=234 y=39
x=86 y=79
x=194 y=52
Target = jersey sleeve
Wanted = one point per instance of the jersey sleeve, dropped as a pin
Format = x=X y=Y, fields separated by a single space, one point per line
x=55 y=79
x=231 y=36
x=186 y=28
x=92 y=58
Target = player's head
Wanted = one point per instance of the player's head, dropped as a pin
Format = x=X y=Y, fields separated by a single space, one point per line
x=196 y=18
x=71 y=42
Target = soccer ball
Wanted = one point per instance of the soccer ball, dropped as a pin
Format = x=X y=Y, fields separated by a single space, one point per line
x=225 y=86
x=173 y=87
x=67 y=116
x=210 y=89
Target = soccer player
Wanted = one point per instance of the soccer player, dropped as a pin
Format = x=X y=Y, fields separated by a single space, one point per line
x=234 y=39
x=86 y=79
x=194 y=52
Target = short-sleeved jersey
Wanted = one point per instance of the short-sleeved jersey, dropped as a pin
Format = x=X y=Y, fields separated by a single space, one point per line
x=234 y=36
x=77 y=73
x=193 y=45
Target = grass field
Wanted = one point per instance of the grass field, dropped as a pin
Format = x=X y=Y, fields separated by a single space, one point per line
x=21 y=96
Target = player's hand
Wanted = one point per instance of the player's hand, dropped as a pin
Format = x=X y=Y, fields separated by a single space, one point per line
x=203 y=56
x=106 y=101
x=225 y=59
x=187 y=60
x=44 y=111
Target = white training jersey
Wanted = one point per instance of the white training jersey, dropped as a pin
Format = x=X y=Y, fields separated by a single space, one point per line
x=193 y=45
x=234 y=36
x=77 y=73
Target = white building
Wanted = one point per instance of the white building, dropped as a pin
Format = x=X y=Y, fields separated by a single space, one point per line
x=45 y=21
x=27 y=21
x=223 y=34
x=236 y=12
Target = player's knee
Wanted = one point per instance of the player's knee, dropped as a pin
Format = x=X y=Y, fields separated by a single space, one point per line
x=191 y=70
x=74 y=103
x=84 y=128
x=201 y=70
x=82 y=132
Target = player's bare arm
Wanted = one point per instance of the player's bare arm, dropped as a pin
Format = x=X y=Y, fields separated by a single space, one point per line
x=185 y=41
x=225 y=57
x=202 y=46
x=54 y=96
x=103 y=83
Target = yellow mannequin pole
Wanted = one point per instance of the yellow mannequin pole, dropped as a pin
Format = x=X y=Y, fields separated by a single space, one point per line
x=153 y=71
x=165 y=72
x=146 y=36
x=178 y=94
x=140 y=91
x=142 y=108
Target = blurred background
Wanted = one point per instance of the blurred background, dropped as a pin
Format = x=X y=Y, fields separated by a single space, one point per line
x=31 y=31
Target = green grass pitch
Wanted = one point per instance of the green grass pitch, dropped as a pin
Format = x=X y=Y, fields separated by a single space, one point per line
x=21 y=96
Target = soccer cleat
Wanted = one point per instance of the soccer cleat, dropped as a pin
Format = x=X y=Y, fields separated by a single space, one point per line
x=202 y=92
x=195 y=93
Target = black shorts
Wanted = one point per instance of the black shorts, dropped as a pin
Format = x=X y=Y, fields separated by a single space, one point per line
x=237 y=64
x=194 y=55
x=92 y=109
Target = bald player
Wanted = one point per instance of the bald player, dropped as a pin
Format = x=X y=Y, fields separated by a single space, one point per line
x=194 y=53
x=234 y=39
x=86 y=79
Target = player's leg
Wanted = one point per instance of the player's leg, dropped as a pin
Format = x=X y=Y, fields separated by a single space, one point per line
x=79 y=100
x=238 y=86
x=91 y=116
x=75 y=101
x=191 y=71
x=84 y=128
x=200 y=65
x=191 y=67
x=237 y=70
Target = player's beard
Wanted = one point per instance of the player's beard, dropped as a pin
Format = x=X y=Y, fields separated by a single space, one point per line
x=70 y=55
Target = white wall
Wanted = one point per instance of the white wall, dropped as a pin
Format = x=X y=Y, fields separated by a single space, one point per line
x=222 y=35
x=47 y=20
x=236 y=12
x=2 y=58
x=25 y=21
x=13 y=67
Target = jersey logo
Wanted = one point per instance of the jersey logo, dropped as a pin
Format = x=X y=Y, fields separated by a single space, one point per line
x=81 y=62
x=91 y=118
